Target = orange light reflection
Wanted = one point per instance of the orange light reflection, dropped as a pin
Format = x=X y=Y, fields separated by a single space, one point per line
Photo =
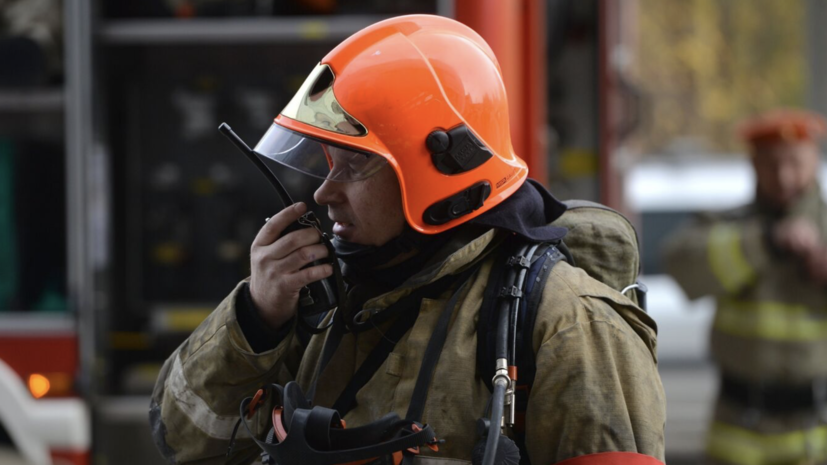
x=39 y=385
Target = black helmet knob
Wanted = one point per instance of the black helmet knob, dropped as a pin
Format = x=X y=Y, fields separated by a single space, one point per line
x=438 y=141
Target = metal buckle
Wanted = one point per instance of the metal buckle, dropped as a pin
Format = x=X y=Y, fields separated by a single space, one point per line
x=511 y=292
x=519 y=261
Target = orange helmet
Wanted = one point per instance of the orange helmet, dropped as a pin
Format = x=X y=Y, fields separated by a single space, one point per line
x=783 y=124
x=422 y=93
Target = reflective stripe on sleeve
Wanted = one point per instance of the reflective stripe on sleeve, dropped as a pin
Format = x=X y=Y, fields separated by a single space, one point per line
x=740 y=446
x=612 y=458
x=197 y=410
x=769 y=320
x=726 y=258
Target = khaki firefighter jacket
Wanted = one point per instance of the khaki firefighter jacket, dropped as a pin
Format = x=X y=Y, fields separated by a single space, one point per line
x=770 y=328
x=597 y=387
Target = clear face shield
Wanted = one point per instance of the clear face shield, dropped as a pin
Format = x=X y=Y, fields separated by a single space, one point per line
x=317 y=159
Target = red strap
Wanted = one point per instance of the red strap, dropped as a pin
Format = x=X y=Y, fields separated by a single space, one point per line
x=612 y=458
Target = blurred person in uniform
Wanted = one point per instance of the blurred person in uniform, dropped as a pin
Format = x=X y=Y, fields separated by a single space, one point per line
x=407 y=123
x=766 y=265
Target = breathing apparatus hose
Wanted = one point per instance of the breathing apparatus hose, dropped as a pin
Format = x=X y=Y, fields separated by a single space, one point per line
x=493 y=439
x=505 y=340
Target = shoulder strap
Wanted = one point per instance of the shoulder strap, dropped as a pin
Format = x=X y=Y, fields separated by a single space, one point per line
x=541 y=265
x=547 y=256
x=536 y=278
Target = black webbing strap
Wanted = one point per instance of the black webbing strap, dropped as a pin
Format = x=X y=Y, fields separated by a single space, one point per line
x=434 y=350
x=334 y=338
x=409 y=307
x=337 y=330
x=377 y=356
x=337 y=327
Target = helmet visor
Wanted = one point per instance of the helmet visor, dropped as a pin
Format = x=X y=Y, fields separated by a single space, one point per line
x=317 y=159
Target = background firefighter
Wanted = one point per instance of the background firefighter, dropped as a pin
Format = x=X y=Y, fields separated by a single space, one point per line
x=766 y=264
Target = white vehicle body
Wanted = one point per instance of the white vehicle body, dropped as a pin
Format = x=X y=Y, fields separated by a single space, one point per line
x=46 y=431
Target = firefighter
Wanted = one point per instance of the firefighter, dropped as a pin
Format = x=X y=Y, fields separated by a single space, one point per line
x=766 y=265
x=407 y=123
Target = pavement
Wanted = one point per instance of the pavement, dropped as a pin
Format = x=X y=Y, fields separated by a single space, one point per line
x=690 y=393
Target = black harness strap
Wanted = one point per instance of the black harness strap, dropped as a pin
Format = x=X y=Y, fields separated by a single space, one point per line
x=334 y=338
x=434 y=350
x=408 y=306
x=339 y=327
x=377 y=356
x=537 y=276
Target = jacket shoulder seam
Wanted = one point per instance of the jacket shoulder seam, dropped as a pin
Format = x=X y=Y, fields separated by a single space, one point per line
x=581 y=306
x=591 y=322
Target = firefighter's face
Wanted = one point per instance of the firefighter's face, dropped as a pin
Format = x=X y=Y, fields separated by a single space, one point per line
x=784 y=170
x=366 y=212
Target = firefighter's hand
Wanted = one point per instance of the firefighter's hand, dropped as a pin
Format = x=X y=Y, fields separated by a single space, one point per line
x=798 y=236
x=816 y=266
x=276 y=265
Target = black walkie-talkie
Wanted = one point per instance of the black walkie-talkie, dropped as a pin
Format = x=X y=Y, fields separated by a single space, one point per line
x=317 y=297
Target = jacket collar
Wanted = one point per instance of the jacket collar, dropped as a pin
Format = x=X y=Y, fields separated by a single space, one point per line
x=449 y=261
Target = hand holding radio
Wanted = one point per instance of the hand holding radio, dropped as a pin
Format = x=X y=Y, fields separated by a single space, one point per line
x=801 y=238
x=287 y=259
x=279 y=257
x=798 y=236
